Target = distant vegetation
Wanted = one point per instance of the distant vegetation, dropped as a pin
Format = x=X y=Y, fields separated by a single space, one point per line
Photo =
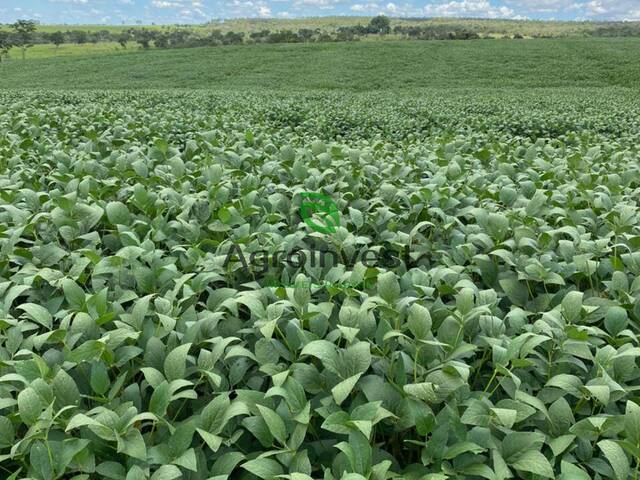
x=356 y=66
x=25 y=34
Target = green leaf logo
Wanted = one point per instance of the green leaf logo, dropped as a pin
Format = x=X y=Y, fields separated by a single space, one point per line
x=319 y=212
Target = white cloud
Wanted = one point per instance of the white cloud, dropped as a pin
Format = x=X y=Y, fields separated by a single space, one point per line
x=540 y=6
x=320 y=4
x=165 y=4
x=264 y=10
x=469 y=8
x=596 y=8
x=364 y=7
x=184 y=4
x=581 y=9
x=75 y=2
x=247 y=8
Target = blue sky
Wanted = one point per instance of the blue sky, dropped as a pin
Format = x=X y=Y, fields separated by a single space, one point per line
x=199 y=11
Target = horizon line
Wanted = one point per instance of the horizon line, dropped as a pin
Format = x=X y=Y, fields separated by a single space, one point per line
x=311 y=17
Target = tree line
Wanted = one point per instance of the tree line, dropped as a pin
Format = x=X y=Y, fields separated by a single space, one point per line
x=24 y=34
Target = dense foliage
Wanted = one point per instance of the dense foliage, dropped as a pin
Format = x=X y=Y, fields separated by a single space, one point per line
x=185 y=36
x=504 y=345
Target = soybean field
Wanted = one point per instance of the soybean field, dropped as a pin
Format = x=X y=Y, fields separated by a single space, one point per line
x=318 y=285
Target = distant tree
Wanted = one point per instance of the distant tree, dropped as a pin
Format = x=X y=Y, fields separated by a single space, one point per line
x=233 y=38
x=144 y=37
x=345 y=34
x=380 y=24
x=81 y=37
x=23 y=35
x=162 y=40
x=123 y=38
x=306 y=34
x=5 y=44
x=260 y=36
x=181 y=38
x=57 y=38
x=105 y=36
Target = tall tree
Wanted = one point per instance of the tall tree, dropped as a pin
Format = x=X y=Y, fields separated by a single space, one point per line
x=57 y=38
x=24 y=30
x=5 y=44
x=123 y=38
x=144 y=37
x=380 y=24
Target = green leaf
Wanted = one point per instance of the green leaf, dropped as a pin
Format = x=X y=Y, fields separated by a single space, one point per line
x=38 y=314
x=213 y=415
x=632 y=422
x=424 y=391
x=167 y=472
x=175 y=365
x=534 y=462
x=213 y=441
x=572 y=306
x=321 y=349
x=497 y=225
x=40 y=460
x=616 y=457
x=460 y=448
x=225 y=464
x=132 y=444
x=388 y=287
x=99 y=380
x=30 y=405
x=567 y=383
x=505 y=416
x=515 y=444
x=160 y=399
x=81 y=420
x=274 y=423
x=187 y=460
x=342 y=390
x=136 y=473
x=560 y=444
x=74 y=294
x=419 y=321
x=516 y=291
x=65 y=389
x=297 y=476
x=599 y=392
x=615 y=320
x=572 y=472
x=118 y=213
x=264 y=468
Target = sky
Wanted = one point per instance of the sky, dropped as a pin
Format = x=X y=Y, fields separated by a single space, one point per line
x=129 y=12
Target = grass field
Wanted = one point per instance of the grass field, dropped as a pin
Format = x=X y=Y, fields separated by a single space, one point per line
x=353 y=66
x=68 y=50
